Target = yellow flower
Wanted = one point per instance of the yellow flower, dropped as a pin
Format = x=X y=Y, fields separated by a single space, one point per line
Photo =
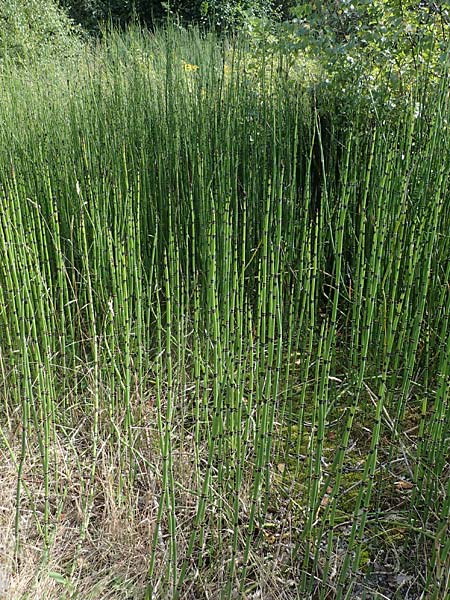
x=189 y=68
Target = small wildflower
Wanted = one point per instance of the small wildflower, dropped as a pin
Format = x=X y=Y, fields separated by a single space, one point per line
x=189 y=68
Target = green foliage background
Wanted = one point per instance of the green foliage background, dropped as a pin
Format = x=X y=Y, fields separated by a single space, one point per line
x=222 y=14
x=31 y=29
x=352 y=40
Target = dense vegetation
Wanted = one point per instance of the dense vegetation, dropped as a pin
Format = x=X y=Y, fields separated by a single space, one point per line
x=224 y=306
x=221 y=14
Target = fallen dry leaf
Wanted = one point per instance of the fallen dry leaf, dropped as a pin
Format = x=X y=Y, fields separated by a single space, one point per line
x=326 y=497
x=403 y=485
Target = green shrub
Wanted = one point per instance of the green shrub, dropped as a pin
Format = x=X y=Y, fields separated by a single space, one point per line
x=365 y=39
x=359 y=50
x=30 y=29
